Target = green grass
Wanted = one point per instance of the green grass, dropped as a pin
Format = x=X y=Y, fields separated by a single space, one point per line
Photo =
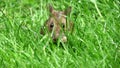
x=95 y=42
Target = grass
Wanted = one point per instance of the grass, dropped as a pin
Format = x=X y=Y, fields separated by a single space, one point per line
x=95 y=42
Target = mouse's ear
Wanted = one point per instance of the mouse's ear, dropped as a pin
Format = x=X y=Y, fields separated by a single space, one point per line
x=68 y=10
x=50 y=7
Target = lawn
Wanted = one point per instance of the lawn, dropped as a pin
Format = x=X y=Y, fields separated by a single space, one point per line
x=94 y=43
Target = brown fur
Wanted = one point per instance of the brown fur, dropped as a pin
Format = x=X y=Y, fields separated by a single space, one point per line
x=57 y=24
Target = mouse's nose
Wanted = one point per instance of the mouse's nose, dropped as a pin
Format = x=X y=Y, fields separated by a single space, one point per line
x=64 y=39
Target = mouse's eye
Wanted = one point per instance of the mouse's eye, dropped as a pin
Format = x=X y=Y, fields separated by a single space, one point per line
x=63 y=26
x=51 y=25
